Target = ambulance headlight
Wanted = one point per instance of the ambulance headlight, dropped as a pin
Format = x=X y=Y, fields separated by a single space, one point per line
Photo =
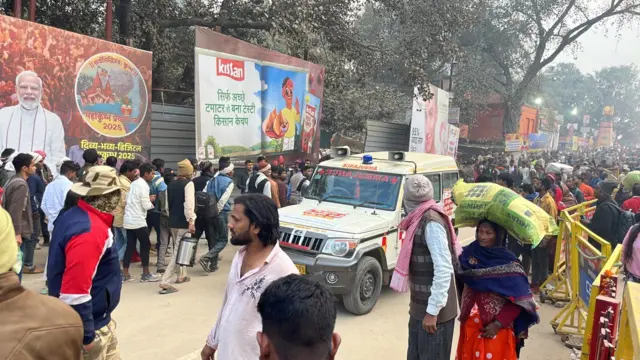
x=339 y=247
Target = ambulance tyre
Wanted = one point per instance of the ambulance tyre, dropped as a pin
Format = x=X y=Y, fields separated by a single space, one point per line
x=366 y=288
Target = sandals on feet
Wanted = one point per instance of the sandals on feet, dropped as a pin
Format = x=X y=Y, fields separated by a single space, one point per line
x=169 y=290
x=183 y=280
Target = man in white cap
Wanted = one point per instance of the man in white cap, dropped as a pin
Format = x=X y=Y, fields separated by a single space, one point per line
x=83 y=268
x=221 y=186
x=28 y=126
x=425 y=266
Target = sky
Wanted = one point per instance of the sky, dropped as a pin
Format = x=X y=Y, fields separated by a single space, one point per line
x=599 y=49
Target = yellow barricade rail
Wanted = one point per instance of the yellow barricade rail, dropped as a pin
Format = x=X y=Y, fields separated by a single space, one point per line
x=611 y=265
x=575 y=251
x=629 y=335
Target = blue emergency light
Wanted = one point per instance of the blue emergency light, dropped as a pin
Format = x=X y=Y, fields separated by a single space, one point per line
x=367 y=159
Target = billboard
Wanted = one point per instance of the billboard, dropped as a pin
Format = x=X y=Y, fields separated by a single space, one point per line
x=75 y=93
x=454 y=137
x=513 y=142
x=538 y=142
x=250 y=100
x=429 y=123
x=605 y=134
x=454 y=115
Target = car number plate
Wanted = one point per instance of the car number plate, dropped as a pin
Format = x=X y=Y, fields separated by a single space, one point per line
x=302 y=269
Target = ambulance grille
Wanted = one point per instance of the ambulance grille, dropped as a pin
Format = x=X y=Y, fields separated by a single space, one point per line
x=308 y=241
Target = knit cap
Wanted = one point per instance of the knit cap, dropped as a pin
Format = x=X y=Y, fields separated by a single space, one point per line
x=185 y=168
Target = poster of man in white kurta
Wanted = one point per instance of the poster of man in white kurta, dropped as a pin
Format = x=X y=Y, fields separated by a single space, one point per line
x=28 y=126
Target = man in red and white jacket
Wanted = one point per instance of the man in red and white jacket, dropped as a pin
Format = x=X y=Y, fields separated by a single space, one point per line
x=83 y=268
x=633 y=204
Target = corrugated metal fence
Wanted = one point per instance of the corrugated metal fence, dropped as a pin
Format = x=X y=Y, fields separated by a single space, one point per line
x=173 y=133
x=384 y=136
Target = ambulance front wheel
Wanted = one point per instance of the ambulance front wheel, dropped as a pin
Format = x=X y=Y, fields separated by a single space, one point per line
x=366 y=289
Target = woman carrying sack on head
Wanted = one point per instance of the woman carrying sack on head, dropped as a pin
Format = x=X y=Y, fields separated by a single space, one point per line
x=497 y=306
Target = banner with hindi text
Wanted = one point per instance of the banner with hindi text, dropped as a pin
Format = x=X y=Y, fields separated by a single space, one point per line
x=513 y=142
x=251 y=100
x=91 y=94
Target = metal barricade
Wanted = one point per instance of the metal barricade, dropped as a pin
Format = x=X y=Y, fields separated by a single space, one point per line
x=580 y=268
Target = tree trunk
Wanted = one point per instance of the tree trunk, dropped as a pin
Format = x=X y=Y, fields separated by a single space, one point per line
x=124 y=22
x=159 y=77
x=511 y=118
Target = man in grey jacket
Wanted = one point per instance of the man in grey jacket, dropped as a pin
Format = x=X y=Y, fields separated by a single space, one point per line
x=18 y=204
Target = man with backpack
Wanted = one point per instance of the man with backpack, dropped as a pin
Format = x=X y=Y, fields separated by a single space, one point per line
x=608 y=221
x=219 y=188
x=158 y=188
x=203 y=225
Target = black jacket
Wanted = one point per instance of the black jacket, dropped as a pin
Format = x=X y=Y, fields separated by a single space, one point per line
x=200 y=182
x=241 y=178
x=605 y=220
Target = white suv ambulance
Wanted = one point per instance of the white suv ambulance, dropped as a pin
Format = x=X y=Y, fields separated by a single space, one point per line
x=344 y=233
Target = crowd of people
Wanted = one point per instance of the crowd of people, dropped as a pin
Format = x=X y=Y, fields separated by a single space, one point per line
x=99 y=220
x=557 y=181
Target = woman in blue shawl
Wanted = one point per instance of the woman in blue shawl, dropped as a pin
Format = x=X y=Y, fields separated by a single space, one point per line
x=497 y=306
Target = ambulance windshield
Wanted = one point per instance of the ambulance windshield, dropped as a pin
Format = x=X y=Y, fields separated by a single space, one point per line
x=355 y=187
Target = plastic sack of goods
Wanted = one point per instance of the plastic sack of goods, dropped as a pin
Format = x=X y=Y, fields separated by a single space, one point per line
x=631 y=178
x=559 y=168
x=523 y=219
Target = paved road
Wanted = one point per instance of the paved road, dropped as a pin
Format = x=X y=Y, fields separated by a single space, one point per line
x=174 y=327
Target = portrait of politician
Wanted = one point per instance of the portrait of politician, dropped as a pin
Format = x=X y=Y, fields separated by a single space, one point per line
x=28 y=126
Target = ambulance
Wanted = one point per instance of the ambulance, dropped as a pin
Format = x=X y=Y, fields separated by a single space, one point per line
x=344 y=233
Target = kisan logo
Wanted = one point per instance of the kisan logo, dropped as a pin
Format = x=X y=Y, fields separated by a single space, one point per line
x=230 y=68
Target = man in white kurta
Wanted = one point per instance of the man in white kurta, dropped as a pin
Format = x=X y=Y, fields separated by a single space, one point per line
x=28 y=126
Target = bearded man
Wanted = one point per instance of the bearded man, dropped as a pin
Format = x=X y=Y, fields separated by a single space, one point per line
x=28 y=126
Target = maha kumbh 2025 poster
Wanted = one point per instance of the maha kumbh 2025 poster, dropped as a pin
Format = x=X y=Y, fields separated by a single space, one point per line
x=251 y=100
x=75 y=93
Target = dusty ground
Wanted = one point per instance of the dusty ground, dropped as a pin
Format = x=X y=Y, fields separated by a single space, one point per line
x=174 y=327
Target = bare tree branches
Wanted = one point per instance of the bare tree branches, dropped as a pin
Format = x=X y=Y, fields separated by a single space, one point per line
x=519 y=43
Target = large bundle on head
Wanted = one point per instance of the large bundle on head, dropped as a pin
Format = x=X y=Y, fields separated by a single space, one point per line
x=523 y=219
x=631 y=179
x=559 y=168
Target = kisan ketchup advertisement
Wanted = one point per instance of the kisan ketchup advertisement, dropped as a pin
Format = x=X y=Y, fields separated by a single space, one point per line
x=251 y=100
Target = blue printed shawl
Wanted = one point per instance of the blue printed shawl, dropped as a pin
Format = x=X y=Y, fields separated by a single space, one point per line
x=497 y=270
